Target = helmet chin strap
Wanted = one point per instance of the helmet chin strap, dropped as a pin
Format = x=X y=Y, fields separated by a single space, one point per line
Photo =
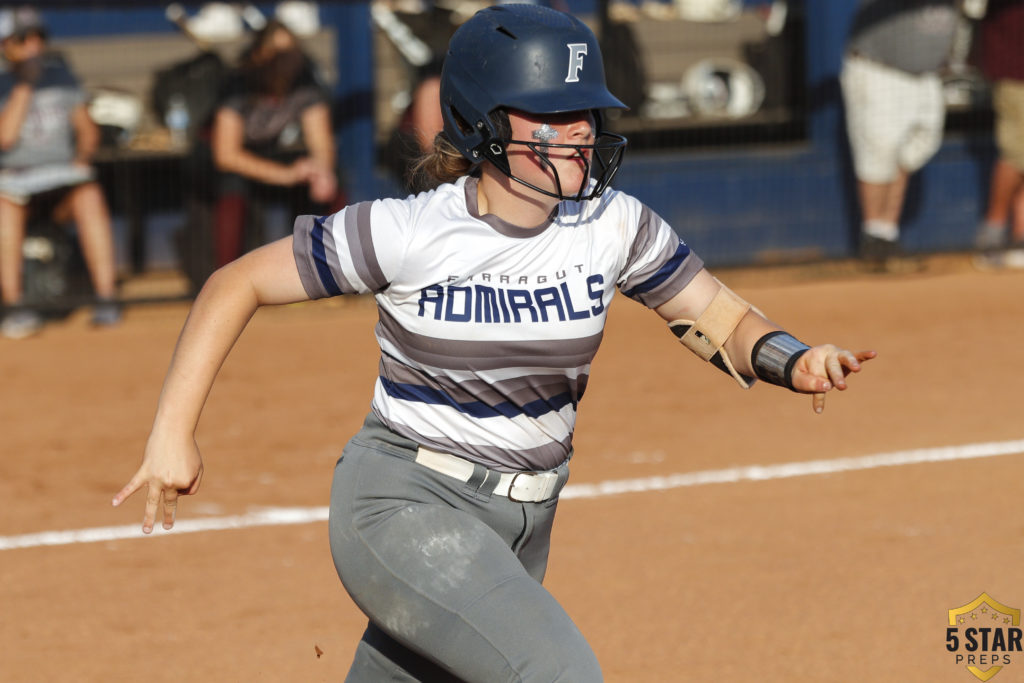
x=541 y=150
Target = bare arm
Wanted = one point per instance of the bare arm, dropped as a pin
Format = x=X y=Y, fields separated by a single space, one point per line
x=319 y=138
x=171 y=464
x=229 y=154
x=817 y=371
x=316 y=131
x=87 y=134
x=13 y=115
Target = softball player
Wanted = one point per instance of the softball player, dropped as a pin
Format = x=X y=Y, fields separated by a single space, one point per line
x=492 y=291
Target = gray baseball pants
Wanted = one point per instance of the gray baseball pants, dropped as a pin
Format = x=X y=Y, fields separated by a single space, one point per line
x=448 y=575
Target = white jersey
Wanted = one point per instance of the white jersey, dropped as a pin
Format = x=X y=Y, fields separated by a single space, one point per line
x=487 y=330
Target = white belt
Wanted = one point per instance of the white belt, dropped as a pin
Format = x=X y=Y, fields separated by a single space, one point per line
x=522 y=487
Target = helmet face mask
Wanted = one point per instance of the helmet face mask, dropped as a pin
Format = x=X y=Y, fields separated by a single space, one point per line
x=601 y=160
x=534 y=60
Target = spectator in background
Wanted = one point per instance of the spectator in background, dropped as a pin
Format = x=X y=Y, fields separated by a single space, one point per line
x=413 y=136
x=46 y=142
x=1002 y=62
x=895 y=110
x=272 y=139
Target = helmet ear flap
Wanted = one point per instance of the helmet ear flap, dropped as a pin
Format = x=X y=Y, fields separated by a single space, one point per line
x=466 y=124
x=494 y=152
x=494 y=149
x=484 y=139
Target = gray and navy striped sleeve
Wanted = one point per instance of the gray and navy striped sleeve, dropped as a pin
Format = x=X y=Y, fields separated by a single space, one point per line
x=338 y=254
x=659 y=264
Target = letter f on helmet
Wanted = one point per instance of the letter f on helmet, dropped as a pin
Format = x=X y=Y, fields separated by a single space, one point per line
x=576 y=52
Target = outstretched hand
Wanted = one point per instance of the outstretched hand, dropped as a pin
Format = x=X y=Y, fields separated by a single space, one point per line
x=823 y=368
x=168 y=470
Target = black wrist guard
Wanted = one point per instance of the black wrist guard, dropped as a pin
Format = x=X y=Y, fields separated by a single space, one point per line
x=774 y=356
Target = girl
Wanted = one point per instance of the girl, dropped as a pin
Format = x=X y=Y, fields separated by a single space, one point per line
x=492 y=291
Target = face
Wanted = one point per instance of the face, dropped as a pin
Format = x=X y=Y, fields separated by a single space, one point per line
x=20 y=48
x=279 y=41
x=573 y=128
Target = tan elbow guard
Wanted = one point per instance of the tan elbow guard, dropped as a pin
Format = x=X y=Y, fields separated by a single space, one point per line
x=706 y=336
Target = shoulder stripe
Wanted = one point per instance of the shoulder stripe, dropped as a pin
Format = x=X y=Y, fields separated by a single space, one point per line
x=662 y=274
x=674 y=283
x=317 y=258
x=302 y=249
x=320 y=258
x=358 y=232
x=647 y=229
x=334 y=257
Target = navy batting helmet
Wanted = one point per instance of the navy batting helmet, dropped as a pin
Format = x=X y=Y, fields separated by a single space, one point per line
x=531 y=59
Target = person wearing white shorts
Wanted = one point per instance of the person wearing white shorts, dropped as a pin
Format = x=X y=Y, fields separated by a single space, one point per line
x=894 y=105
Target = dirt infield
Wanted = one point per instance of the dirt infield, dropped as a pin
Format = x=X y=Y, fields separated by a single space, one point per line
x=776 y=575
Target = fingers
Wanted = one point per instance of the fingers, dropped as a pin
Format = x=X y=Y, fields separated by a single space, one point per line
x=865 y=355
x=129 y=488
x=832 y=373
x=170 y=507
x=170 y=469
x=836 y=369
x=848 y=362
x=300 y=171
x=155 y=494
x=152 y=503
x=195 y=483
x=808 y=382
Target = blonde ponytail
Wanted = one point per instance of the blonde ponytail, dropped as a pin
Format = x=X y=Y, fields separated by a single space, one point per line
x=443 y=164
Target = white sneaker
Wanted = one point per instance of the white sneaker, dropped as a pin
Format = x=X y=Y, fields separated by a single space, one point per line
x=1014 y=258
x=21 y=324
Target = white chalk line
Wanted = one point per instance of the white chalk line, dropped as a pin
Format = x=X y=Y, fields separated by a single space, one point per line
x=732 y=475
